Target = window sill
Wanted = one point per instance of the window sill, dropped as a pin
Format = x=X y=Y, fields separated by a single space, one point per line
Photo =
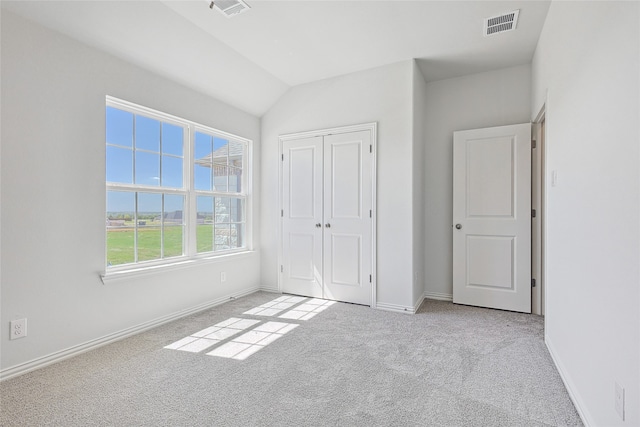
x=136 y=272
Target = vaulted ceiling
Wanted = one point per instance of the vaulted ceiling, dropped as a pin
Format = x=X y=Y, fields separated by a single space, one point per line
x=250 y=60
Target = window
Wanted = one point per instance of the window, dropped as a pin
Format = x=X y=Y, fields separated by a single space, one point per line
x=175 y=189
x=218 y=169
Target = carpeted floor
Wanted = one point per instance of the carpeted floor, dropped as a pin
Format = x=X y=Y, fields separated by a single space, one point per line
x=348 y=365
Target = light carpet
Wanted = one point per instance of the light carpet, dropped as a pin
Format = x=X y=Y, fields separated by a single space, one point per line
x=348 y=365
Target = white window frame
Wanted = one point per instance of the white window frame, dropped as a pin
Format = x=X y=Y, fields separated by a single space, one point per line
x=190 y=254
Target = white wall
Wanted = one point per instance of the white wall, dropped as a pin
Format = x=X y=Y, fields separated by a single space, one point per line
x=53 y=195
x=380 y=95
x=494 y=98
x=419 y=98
x=590 y=71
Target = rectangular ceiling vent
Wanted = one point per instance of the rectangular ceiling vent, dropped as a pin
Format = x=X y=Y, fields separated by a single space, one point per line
x=502 y=23
x=230 y=8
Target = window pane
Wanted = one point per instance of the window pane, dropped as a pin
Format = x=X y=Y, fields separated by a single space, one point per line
x=221 y=237
x=236 y=238
x=172 y=139
x=220 y=151
x=235 y=180
x=147 y=134
x=204 y=208
x=236 y=153
x=222 y=210
x=149 y=237
x=171 y=172
x=120 y=227
x=202 y=177
x=203 y=147
x=236 y=210
x=173 y=208
x=149 y=209
x=119 y=165
x=119 y=126
x=147 y=168
x=220 y=177
x=173 y=229
x=204 y=227
x=173 y=240
x=148 y=242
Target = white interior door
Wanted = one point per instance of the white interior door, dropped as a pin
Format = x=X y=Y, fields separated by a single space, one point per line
x=327 y=234
x=492 y=217
x=302 y=217
x=347 y=221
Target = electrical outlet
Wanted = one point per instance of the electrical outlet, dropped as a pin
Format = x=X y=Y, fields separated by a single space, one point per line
x=620 y=401
x=18 y=329
x=223 y=277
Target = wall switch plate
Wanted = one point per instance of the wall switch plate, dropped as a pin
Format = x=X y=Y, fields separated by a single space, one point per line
x=620 y=401
x=18 y=329
x=223 y=277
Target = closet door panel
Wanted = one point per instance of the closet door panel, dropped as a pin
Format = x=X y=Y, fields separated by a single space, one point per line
x=302 y=217
x=347 y=224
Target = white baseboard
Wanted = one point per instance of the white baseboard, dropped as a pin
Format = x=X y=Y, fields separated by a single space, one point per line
x=418 y=303
x=58 y=356
x=581 y=408
x=396 y=308
x=272 y=290
x=438 y=296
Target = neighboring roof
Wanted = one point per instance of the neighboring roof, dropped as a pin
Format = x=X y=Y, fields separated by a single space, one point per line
x=235 y=152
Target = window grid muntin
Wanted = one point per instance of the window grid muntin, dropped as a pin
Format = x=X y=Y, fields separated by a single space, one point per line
x=189 y=222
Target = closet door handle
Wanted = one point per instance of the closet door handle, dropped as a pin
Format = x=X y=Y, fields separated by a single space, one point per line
x=327 y=225
x=318 y=225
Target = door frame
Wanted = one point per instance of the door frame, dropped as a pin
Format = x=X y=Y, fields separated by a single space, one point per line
x=539 y=202
x=372 y=128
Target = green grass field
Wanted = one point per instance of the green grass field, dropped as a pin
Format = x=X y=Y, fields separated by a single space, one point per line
x=120 y=243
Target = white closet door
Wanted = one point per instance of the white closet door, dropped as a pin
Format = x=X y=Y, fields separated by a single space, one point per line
x=302 y=217
x=347 y=223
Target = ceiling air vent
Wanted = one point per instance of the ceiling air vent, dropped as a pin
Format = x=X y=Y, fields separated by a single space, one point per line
x=502 y=23
x=229 y=8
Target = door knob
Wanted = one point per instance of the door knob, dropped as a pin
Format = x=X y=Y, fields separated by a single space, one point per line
x=458 y=226
x=327 y=225
x=318 y=225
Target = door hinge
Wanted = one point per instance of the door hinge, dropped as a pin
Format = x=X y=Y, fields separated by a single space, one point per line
x=371 y=148
x=282 y=212
x=533 y=283
x=533 y=213
x=282 y=269
x=369 y=278
x=370 y=213
x=533 y=144
x=283 y=157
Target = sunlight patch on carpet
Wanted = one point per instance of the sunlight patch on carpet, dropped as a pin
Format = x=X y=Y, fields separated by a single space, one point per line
x=212 y=335
x=224 y=340
x=276 y=306
x=253 y=341
x=307 y=310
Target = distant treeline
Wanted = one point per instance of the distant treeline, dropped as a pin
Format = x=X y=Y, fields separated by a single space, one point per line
x=128 y=216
